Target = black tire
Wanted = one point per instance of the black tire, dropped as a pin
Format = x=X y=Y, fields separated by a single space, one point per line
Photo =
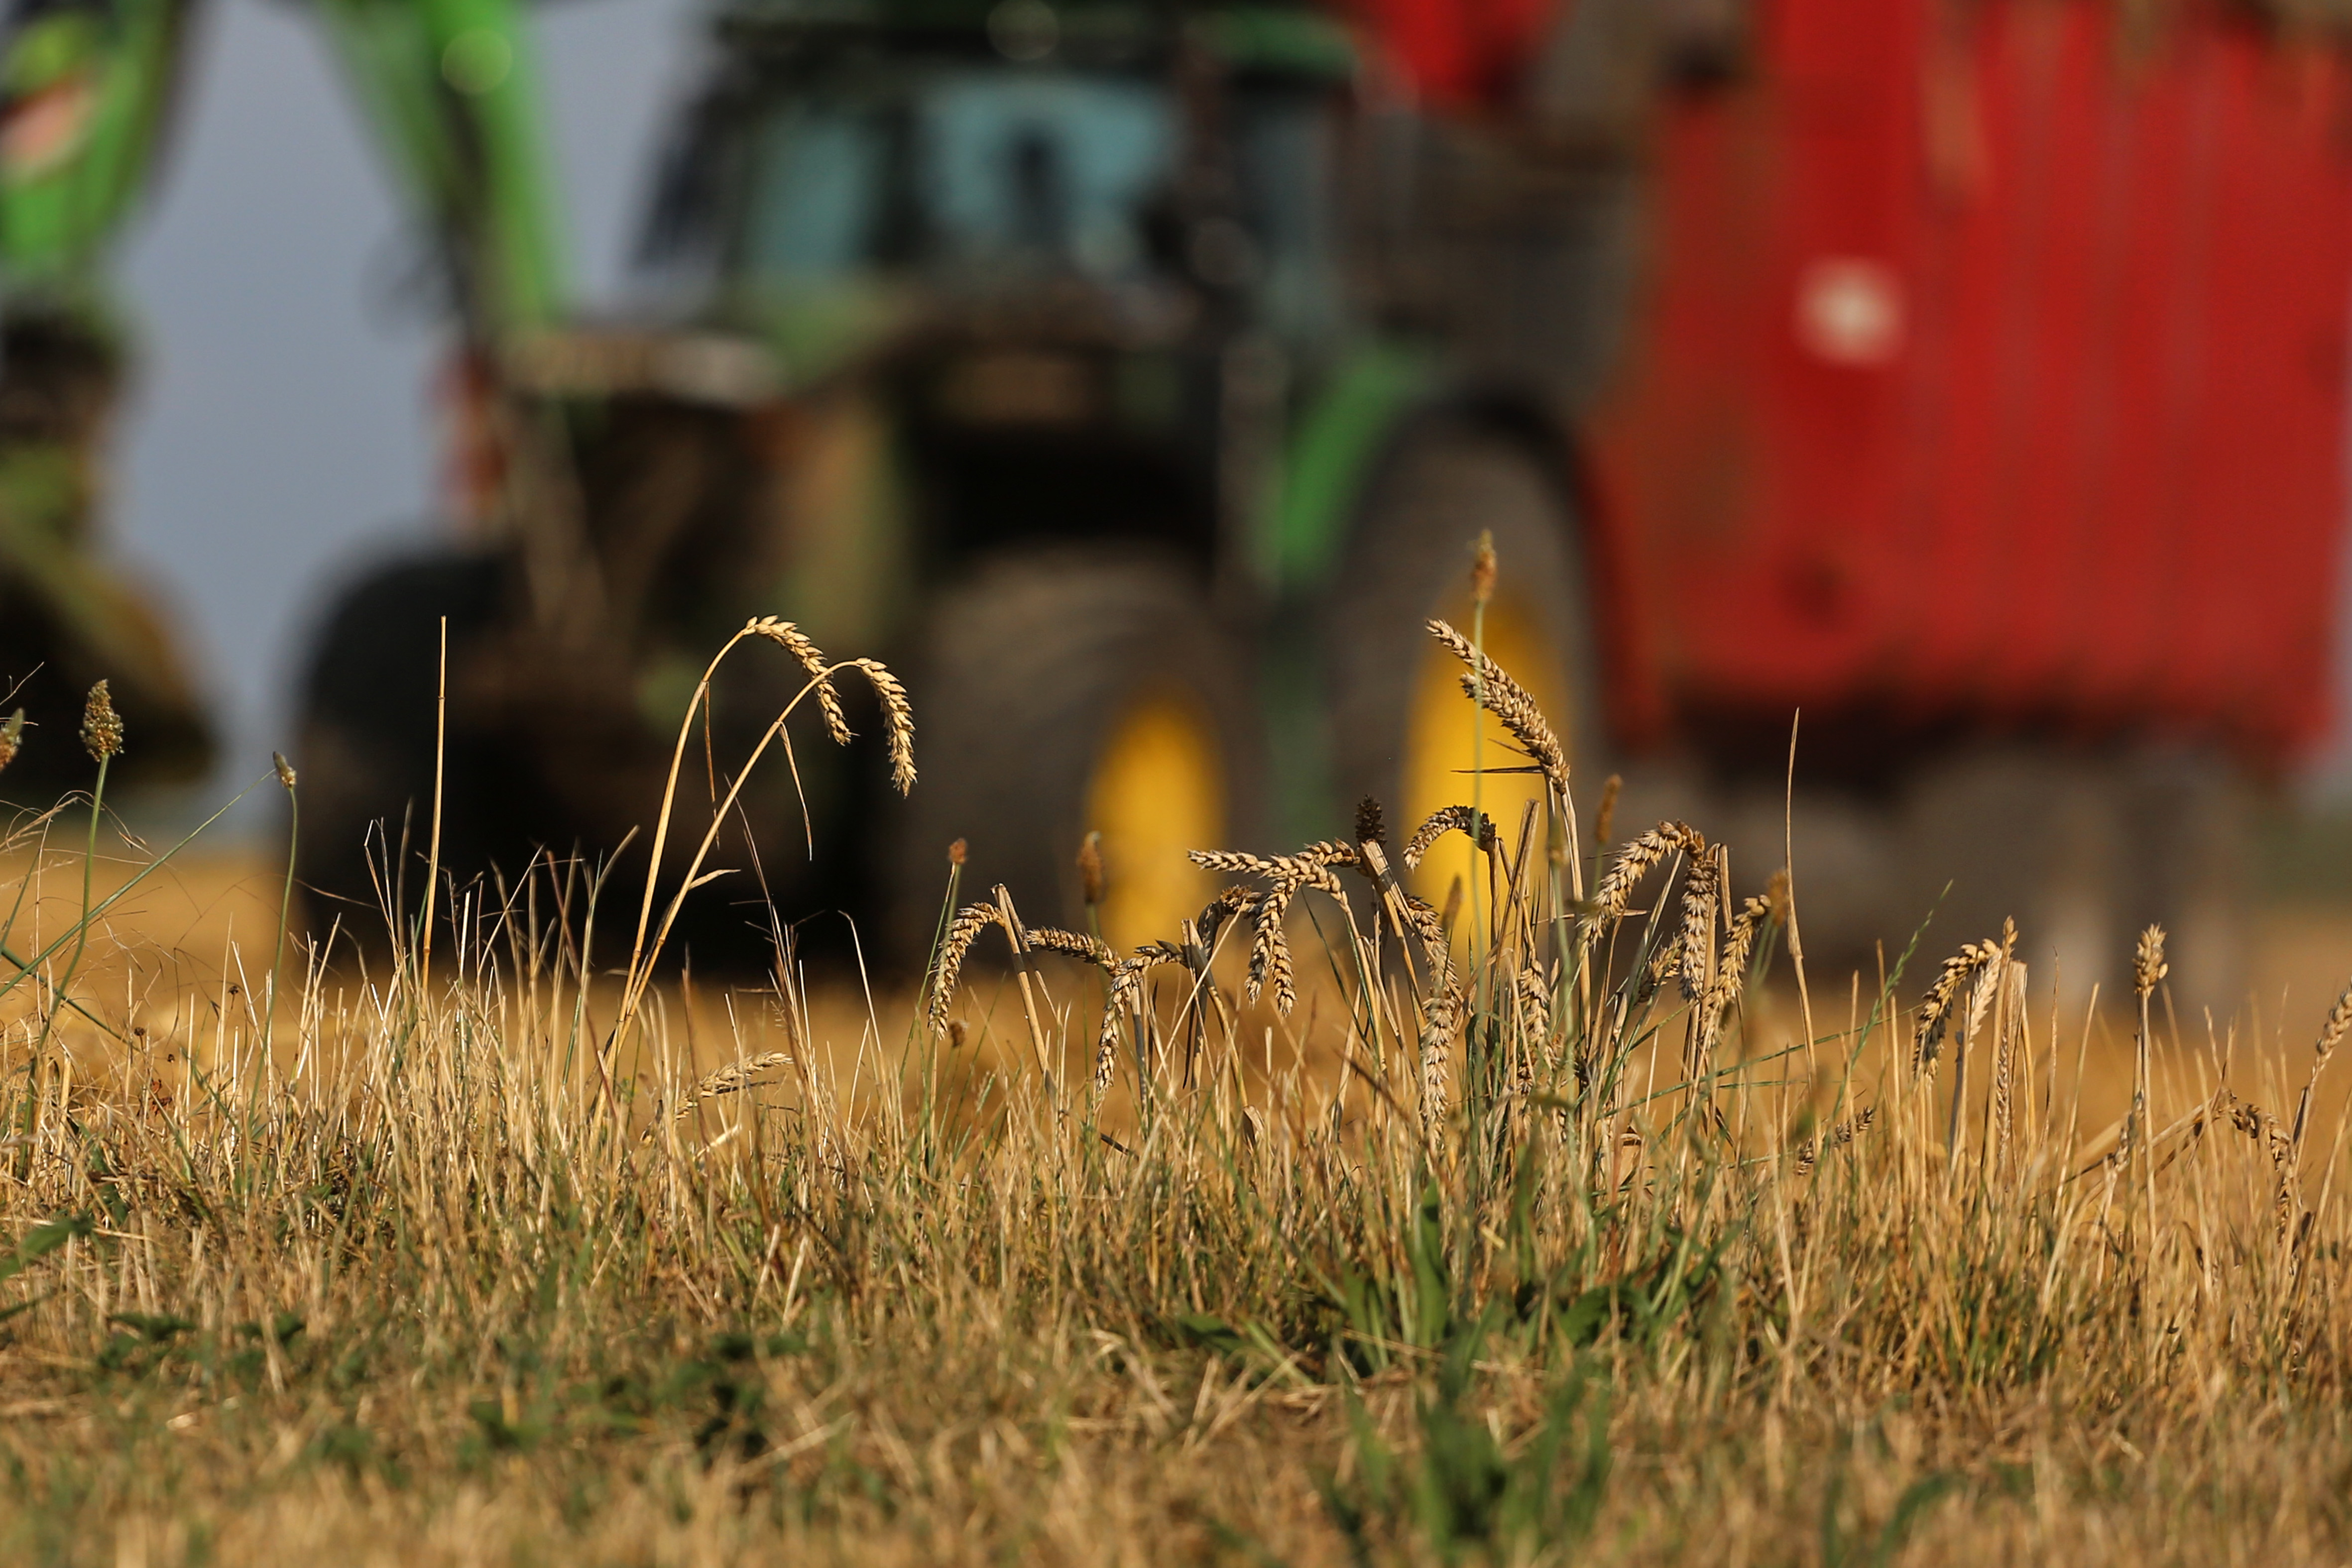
x=1026 y=668
x=1409 y=560
x=365 y=728
x=545 y=751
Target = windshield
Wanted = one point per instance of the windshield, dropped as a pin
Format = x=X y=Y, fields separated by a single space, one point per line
x=968 y=172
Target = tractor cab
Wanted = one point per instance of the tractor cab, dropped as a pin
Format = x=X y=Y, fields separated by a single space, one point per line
x=1062 y=249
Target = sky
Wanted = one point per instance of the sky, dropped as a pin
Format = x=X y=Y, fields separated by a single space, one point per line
x=279 y=436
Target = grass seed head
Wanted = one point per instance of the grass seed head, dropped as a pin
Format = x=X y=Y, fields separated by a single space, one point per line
x=285 y=770
x=1462 y=819
x=2148 y=967
x=1702 y=882
x=897 y=720
x=1090 y=871
x=12 y=738
x=101 y=727
x=1935 y=1009
x=963 y=932
x=1489 y=685
x=1614 y=894
x=2339 y=1023
x=1482 y=569
x=811 y=660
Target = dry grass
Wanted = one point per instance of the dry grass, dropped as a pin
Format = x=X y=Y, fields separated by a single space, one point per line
x=1569 y=1232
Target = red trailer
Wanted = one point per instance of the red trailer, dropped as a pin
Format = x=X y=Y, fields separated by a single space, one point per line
x=1993 y=372
x=1984 y=397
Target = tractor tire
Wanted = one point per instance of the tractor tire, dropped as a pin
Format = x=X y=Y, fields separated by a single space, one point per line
x=1399 y=728
x=544 y=751
x=1068 y=693
x=366 y=735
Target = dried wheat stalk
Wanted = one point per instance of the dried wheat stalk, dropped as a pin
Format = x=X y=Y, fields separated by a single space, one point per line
x=2279 y=1144
x=1730 y=978
x=1702 y=888
x=812 y=659
x=1287 y=877
x=1440 y=1017
x=2331 y=1035
x=1809 y=1152
x=2009 y=1029
x=1534 y=990
x=1640 y=856
x=963 y=932
x=1126 y=998
x=1463 y=820
x=729 y=1079
x=2148 y=969
x=897 y=720
x=1936 y=1007
x=1488 y=686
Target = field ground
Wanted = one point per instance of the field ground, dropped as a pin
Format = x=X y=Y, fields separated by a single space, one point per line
x=420 y=1294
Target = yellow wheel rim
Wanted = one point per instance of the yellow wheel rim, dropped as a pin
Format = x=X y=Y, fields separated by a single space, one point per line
x=1441 y=756
x=1158 y=792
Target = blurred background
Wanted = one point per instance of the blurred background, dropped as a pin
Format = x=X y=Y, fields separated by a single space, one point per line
x=281 y=426
x=1959 y=387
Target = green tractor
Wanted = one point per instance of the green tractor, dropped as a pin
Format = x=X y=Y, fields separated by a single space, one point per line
x=1112 y=369
x=84 y=90
x=87 y=91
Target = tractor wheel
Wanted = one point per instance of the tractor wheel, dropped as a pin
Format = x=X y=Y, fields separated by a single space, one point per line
x=546 y=750
x=1061 y=695
x=366 y=732
x=1402 y=731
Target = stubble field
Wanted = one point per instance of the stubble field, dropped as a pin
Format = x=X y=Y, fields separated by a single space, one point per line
x=1569 y=1227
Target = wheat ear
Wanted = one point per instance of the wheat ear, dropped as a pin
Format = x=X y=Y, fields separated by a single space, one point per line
x=812 y=661
x=2331 y=1035
x=729 y=1079
x=1492 y=688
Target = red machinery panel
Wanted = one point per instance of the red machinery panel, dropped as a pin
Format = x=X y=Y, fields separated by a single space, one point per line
x=1992 y=370
x=1457 y=55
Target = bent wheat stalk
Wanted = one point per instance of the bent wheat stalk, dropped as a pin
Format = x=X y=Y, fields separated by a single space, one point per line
x=897 y=718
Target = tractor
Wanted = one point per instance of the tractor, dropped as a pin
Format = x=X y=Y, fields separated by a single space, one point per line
x=1107 y=366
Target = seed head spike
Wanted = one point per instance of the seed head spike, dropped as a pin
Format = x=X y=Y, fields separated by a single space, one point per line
x=12 y=738
x=285 y=770
x=101 y=727
x=2148 y=964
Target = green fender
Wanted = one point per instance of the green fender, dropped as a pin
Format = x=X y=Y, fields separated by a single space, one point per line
x=1337 y=439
